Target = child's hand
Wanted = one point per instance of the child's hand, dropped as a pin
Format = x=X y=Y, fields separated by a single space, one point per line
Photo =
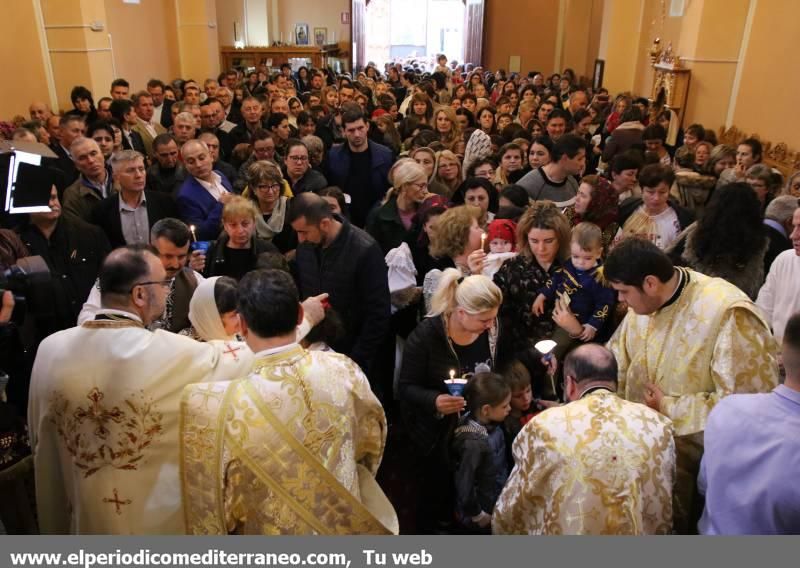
x=538 y=305
x=588 y=333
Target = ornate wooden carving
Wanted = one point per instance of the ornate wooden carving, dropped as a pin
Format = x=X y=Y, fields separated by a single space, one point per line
x=777 y=156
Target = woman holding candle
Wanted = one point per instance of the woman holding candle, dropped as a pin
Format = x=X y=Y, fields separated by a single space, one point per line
x=460 y=334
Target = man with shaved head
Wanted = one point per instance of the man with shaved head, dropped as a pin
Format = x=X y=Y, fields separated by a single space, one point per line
x=204 y=192
x=40 y=111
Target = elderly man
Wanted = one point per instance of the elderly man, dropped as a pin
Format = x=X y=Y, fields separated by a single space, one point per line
x=211 y=118
x=752 y=456
x=285 y=399
x=778 y=223
x=40 y=111
x=184 y=128
x=126 y=217
x=147 y=127
x=779 y=297
x=166 y=174
x=251 y=112
x=204 y=192
x=94 y=183
x=680 y=350
x=598 y=465
x=105 y=402
x=219 y=163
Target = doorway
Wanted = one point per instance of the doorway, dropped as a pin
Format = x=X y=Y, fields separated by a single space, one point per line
x=401 y=30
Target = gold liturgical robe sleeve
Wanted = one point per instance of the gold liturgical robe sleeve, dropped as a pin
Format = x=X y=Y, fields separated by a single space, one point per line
x=600 y=465
x=741 y=363
x=710 y=343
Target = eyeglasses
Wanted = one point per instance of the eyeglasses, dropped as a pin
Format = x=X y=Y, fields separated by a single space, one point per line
x=297 y=158
x=166 y=283
x=269 y=187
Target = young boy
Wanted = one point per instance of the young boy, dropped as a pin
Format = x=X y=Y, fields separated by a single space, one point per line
x=580 y=286
x=523 y=407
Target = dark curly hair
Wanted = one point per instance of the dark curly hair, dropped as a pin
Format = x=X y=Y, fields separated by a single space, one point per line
x=732 y=226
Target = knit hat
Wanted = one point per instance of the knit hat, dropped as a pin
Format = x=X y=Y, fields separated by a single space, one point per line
x=504 y=229
x=478 y=146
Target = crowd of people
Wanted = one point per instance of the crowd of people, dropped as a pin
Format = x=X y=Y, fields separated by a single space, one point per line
x=544 y=309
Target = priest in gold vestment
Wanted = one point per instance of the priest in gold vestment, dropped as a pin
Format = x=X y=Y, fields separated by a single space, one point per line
x=597 y=465
x=687 y=341
x=294 y=447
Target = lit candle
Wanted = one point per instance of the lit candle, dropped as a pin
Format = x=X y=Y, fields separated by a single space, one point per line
x=194 y=236
x=483 y=240
x=452 y=374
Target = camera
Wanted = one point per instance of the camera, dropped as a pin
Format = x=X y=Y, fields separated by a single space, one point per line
x=17 y=278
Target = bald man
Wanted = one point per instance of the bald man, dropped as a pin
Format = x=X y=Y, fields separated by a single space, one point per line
x=40 y=111
x=610 y=463
x=204 y=192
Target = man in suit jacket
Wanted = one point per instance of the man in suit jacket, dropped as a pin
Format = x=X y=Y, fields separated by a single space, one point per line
x=127 y=216
x=94 y=183
x=70 y=127
x=204 y=193
x=778 y=222
x=147 y=128
x=161 y=107
x=122 y=110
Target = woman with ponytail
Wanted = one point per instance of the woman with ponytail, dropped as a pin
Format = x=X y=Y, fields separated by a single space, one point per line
x=458 y=338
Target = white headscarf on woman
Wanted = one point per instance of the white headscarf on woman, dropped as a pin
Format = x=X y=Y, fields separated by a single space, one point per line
x=203 y=312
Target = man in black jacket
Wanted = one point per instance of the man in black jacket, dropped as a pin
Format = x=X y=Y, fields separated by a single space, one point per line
x=127 y=216
x=337 y=258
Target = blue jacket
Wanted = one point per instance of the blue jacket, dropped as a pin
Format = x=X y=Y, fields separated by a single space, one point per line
x=199 y=208
x=590 y=300
x=381 y=159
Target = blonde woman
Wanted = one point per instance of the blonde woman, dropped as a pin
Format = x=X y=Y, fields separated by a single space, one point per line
x=448 y=171
x=426 y=157
x=390 y=223
x=446 y=126
x=456 y=237
x=459 y=337
x=236 y=251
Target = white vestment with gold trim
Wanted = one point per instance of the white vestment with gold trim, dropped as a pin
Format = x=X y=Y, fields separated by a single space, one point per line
x=103 y=418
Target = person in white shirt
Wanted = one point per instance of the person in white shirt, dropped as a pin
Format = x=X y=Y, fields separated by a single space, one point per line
x=779 y=297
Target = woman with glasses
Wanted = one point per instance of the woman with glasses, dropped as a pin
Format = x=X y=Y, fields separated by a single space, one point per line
x=236 y=251
x=299 y=173
x=270 y=194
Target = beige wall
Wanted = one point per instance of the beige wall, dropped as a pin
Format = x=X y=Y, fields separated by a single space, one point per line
x=767 y=96
x=524 y=28
x=315 y=13
x=158 y=47
x=22 y=60
x=228 y=12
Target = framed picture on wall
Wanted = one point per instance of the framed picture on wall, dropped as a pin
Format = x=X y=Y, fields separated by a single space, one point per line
x=301 y=34
x=597 y=76
x=320 y=36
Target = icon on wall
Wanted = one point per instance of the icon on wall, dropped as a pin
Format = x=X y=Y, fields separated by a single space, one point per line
x=345 y=17
x=320 y=36
x=301 y=34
